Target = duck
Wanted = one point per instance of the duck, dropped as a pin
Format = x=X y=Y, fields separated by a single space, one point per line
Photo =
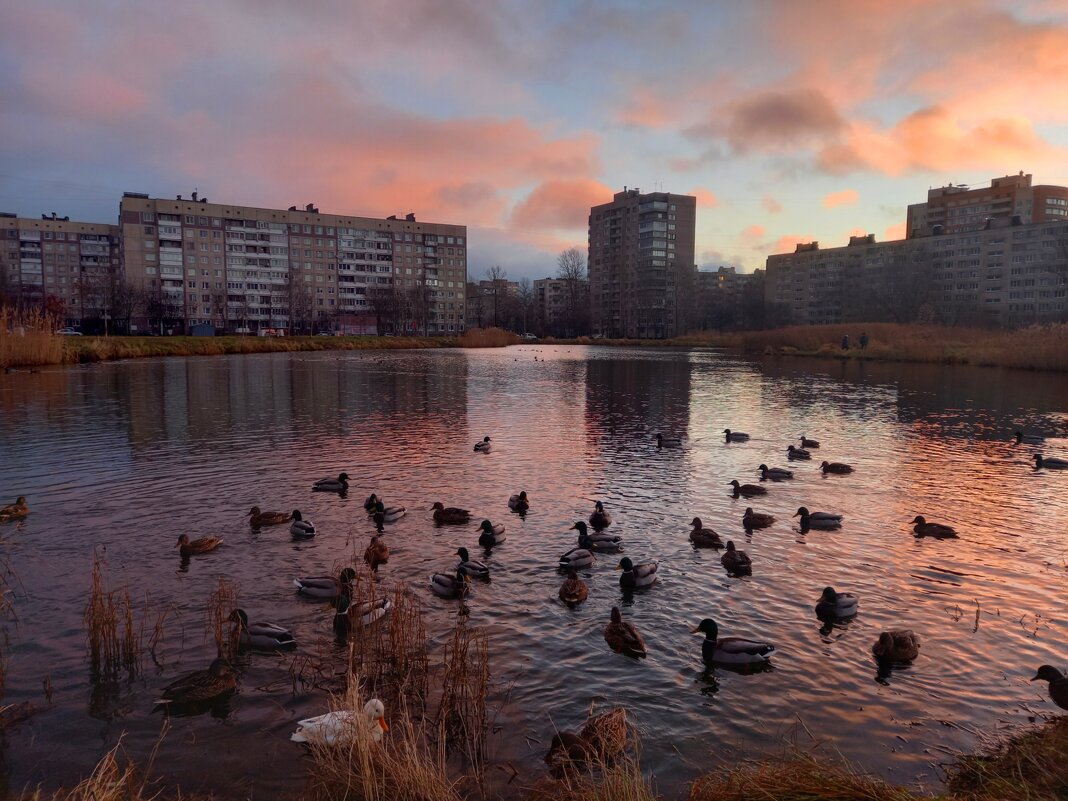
x=896 y=646
x=491 y=534
x=325 y=586
x=202 y=685
x=339 y=484
x=921 y=528
x=577 y=559
x=448 y=585
x=1050 y=462
x=753 y=519
x=519 y=503
x=15 y=511
x=809 y=443
x=448 y=515
x=335 y=728
x=797 y=453
x=836 y=467
x=189 y=548
x=601 y=739
x=668 y=442
x=735 y=561
x=735 y=436
x=599 y=518
x=623 y=638
x=367 y=612
x=747 y=490
x=598 y=540
x=1058 y=684
x=387 y=514
x=573 y=590
x=471 y=567
x=485 y=446
x=261 y=636
x=834 y=604
x=1028 y=439
x=702 y=537
x=301 y=529
x=775 y=473
x=826 y=520
x=376 y=554
x=370 y=503
x=257 y=519
x=637 y=577
x=731 y=650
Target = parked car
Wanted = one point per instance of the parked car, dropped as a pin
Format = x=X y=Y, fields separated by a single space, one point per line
x=531 y=337
x=69 y=332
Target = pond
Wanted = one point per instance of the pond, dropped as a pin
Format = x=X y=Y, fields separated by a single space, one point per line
x=119 y=459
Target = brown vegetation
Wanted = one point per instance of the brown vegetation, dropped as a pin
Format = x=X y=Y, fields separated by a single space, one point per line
x=109 y=649
x=28 y=338
x=488 y=338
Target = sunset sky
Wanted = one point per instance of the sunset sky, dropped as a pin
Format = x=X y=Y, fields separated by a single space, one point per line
x=789 y=119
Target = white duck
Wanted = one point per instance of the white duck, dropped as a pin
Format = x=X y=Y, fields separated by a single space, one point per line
x=335 y=728
x=301 y=529
x=261 y=636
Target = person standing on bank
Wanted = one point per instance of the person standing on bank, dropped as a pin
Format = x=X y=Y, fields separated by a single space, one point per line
x=845 y=342
x=863 y=340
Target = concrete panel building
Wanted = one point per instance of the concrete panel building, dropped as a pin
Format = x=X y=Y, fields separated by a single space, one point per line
x=641 y=264
x=562 y=305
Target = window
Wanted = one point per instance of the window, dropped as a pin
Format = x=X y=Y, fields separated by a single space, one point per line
x=148 y=216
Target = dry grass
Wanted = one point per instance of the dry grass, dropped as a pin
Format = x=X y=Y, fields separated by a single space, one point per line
x=28 y=338
x=115 y=778
x=462 y=714
x=488 y=338
x=622 y=780
x=221 y=602
x=1030 y=766
x=114 y=640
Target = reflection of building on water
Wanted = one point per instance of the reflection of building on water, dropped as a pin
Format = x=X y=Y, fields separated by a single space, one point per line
x=635 y=397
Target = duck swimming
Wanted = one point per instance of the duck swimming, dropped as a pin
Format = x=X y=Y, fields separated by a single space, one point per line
x=15 y=511
x=325 y=586
x=376 y=554
x=808 y=443
x=735 y=436
x=636 y=577
x=832 y=605
x=447 y=585
x=258 y=519
x=597 y=541
x=339 y=484
x=577 y=559
x=824 y=520
x=1028 y=439
x=747 y=490
x=491 y=534
x=370 y=503
x=366 y=612
x=471 y=567
x=623 y=638
x=387 y=514
x=702 y=537
x=775 y=473
x=797 y=453
x=201 y=686
x=336 y=728
x=731 y=650
x=187 y=548
x=601 y=740
x=1050 y=462
x=485 y=446
x=839 y=468
x=573 y=590
x=668 y=442
x=896 y=646
x=519 y=503
x=600 y=518
x=753 y=519
x=1058 y=684
x=301 y=529
x=261 y=636
x=736 y=561
x=921 y=528
x=446 y=515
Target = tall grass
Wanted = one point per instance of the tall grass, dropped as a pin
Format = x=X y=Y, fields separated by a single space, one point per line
x=221 y=602
x=620 y=780
x=462 y=713
x=113 y=639
x=28 y=338
x=488 y=338
x=1029 y=766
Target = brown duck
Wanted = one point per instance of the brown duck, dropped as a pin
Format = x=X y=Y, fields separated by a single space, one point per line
x=203 y=685
x=15 y=511
x=574 y=589
x=450 y=514
x=601 y=739
x=747 y=490
x=753 y=519
x=839 y=468
x=256 y=518
x=702 y=537
x=896 y=646
x=377 y=553
x=202 y=545
x=623 y=638
x=921 y=528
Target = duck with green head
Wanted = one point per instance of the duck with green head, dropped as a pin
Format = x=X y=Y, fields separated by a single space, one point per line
x=731 y=650
x=471 y=567
x=833 y=605
x=325 y=587
x=597 y=541
x=491 y=535
x=519 y=503
x=636 y=577
x=1058 y=684
x=339 y=484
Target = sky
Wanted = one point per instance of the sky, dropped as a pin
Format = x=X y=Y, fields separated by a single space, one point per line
x=790 y=120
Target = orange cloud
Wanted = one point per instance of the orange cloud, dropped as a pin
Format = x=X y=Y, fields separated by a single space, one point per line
x=789 y=242
x=771 y=205
x=644 y=108
x=705 y=198
x=753 y=233
x=895 y=231
x=846 y=197
x=560 y=204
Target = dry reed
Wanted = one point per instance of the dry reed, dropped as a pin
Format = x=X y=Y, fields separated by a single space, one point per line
x=488 y=338
x=620 y=780
x=462 y=717
x=27 y=338
x=1029 y=766
x=221 y=603
x=111 y=647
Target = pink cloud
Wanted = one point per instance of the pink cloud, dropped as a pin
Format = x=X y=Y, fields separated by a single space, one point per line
x=771 y=205
x=789 y=242
x=895 y=231
x=845 y=197
x=753 y=233
x=705 y=198
x=560 y=204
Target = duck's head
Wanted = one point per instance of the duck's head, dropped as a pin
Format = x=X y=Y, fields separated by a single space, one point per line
x=824 y=465
x=523 y=495
x=438 y=505
x=463 y=554
x=296 y=515
x=616 y=616
x=580 y=527
x=220 y=668
x=240 y=617
x=763 y=468
x=734 y=483
x=255 y=510
x=1038 y=459
x=625 y=564
x=730 y=546
x=659 y=438
x=485 y=439
x=748 y=512
x=372 y=499
x=1048 y=673
x=802 y=511
x=727 y=431
x=598 y=507
x=347 y=575
x=571 y=574
x=829 y=595
x=375 y=712
x=485 y=526
x=380 y=507
x=374 y=539
x=707 y=627
x=183 y=539
x=790 y=449
x=1019 y=437
x=343 y=477
x=20 y=501
x=696 y=522
x=918 y=520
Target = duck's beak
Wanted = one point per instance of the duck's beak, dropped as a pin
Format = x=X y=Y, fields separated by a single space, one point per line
x=795 y=514
x=383 y=725
x=695 y=630
x=1036 y=678
x=619 y=567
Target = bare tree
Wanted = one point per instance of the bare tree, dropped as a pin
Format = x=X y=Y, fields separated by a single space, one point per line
x=571 y=268
x=526 y=301
x=499 y=280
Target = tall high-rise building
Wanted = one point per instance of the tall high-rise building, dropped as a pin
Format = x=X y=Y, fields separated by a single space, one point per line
x=246 y=268
x=641 y=263
x=954 y=209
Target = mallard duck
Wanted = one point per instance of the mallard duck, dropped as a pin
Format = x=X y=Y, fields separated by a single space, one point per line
x=735 y=436
x=731 y=650
x=376 y=553
x=325 y=586
x=600 y=518
x=261 y=636
x=367 y=611
x=192 y=548
x=1028 y=439
x=753 y=519
x=809 y=443
x=203 y=685
x=301 y=529
x=836 y=604
x=622 y=637
x=921 y=528
x=1058 y=684
x=735 y=561
x=597 y=541
x=577 y=559
x=446 y=515
x=702 y=537
x=835 y=467
x=387 y=514
x=775 y=473
x=335 y=728
x=747 y=490
x=371 y=503
x=15 y=511
x=485 y=446
x=519 y=503
x=448 y=585
x=601 y=739
x=825 y=520
x=491 y=534
x=471 y=567
x=668 y=442
x=257 y=519
x=896 y=646
x=797 y=453
x=1050 y=462
x=636 y=577
x=339 y=484
x=574 y=589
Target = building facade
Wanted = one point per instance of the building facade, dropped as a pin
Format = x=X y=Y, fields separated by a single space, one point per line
x=562 y=306
x=245 y=269
x=722 y=298
x=1006 y=274
x=641 y=264
x=957 y=209
x=75 y=264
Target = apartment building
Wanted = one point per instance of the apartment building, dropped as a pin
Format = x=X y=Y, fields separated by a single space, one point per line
x=245 y=268
x=721 y=297
x=562 y=306
x=641 y=263
x=958 y=208
x=1008 y=274
x=74 y=263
